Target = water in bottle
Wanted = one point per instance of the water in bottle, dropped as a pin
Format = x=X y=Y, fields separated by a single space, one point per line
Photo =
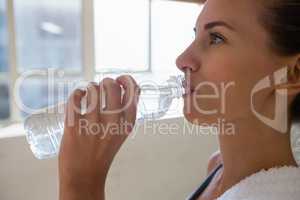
x=44 y=130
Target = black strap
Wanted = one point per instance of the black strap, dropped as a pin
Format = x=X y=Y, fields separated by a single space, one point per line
x=204 y=185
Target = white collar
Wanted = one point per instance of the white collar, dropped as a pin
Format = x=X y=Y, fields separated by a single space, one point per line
x=276 y=183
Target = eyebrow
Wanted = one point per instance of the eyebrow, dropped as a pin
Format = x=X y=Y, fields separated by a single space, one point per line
x=210 y=25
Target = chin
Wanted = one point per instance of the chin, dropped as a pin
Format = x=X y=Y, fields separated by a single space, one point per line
x=197 y=118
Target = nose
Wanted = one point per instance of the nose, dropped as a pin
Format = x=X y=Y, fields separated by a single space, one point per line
x=187 y=61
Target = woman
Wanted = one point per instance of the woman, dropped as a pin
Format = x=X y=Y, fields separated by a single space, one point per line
x=240 y=42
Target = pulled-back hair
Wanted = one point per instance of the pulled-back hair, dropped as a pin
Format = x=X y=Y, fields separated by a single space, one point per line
x=281 y=19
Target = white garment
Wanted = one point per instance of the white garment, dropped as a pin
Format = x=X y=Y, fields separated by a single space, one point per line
x=273 y=184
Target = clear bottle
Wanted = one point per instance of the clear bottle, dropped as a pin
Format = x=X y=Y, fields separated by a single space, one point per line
x=44 y=130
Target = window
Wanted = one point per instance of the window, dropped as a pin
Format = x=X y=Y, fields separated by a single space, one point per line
x=4 y=89
x=52 y=30
x=83 y=39
x=4 y=100
x=44 y=91
x=122 y=35
x=48 y=35
x=172 y=32
x=3 y=38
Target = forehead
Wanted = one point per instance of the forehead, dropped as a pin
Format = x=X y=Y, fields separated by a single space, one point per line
x=241 y=14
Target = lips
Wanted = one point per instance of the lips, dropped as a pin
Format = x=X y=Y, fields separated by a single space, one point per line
x=189 y=91
x=187 y=87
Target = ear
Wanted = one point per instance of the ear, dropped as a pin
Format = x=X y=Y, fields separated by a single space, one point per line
x=292 y=81
x=294 y=72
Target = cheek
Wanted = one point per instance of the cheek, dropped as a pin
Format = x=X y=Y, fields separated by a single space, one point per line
x=243 y=64
x=244 y=70
x=235 y=78
x=220 y=69
x=241 y=70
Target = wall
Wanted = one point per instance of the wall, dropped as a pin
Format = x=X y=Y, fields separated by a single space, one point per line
x=148 y=166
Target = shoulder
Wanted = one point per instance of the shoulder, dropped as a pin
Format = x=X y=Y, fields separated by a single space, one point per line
x=214 y=160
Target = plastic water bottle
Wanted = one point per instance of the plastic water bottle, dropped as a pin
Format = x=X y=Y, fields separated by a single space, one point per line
x=44 y=130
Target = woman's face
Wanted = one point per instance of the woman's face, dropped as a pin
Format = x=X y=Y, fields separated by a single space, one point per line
x=227 y=58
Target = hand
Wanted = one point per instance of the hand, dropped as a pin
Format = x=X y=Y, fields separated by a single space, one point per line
x=91 y=141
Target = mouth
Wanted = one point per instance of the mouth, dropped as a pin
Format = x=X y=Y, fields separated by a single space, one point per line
x=188 y=92
x=188 y=89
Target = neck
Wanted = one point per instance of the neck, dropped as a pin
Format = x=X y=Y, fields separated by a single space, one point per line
x=253 y=147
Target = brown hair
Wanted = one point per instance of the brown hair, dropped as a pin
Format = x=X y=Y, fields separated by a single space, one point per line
x=281 y=18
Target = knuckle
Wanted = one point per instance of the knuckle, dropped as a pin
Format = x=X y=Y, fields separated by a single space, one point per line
x=128 y=79
x=114 y=86
x=122 y=77
x=92 y=86
x=108 y=81
x=76 y=95
x=77 y=92
x=131 y=81
x=111 y=83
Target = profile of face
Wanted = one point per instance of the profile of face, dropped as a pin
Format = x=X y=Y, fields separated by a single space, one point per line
x=227 y=58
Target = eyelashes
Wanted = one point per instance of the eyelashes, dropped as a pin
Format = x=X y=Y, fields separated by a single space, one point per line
x=216 y=38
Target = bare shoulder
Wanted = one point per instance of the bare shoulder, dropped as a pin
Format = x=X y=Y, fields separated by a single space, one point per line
x=214 y=160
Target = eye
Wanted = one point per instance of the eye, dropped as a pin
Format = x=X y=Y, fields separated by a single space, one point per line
x=195 y=31
x=216 y=38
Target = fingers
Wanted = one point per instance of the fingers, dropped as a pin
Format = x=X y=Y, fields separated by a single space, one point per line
x=117 y=107
x=112 y=91
x=73 y=110
x=93 y=102
x=130 y=98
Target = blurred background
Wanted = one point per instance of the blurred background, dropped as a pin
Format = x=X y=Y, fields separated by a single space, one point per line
x=75 y=40
x=84 y=39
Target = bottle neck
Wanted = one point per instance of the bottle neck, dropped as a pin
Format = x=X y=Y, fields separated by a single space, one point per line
x=175 y=84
